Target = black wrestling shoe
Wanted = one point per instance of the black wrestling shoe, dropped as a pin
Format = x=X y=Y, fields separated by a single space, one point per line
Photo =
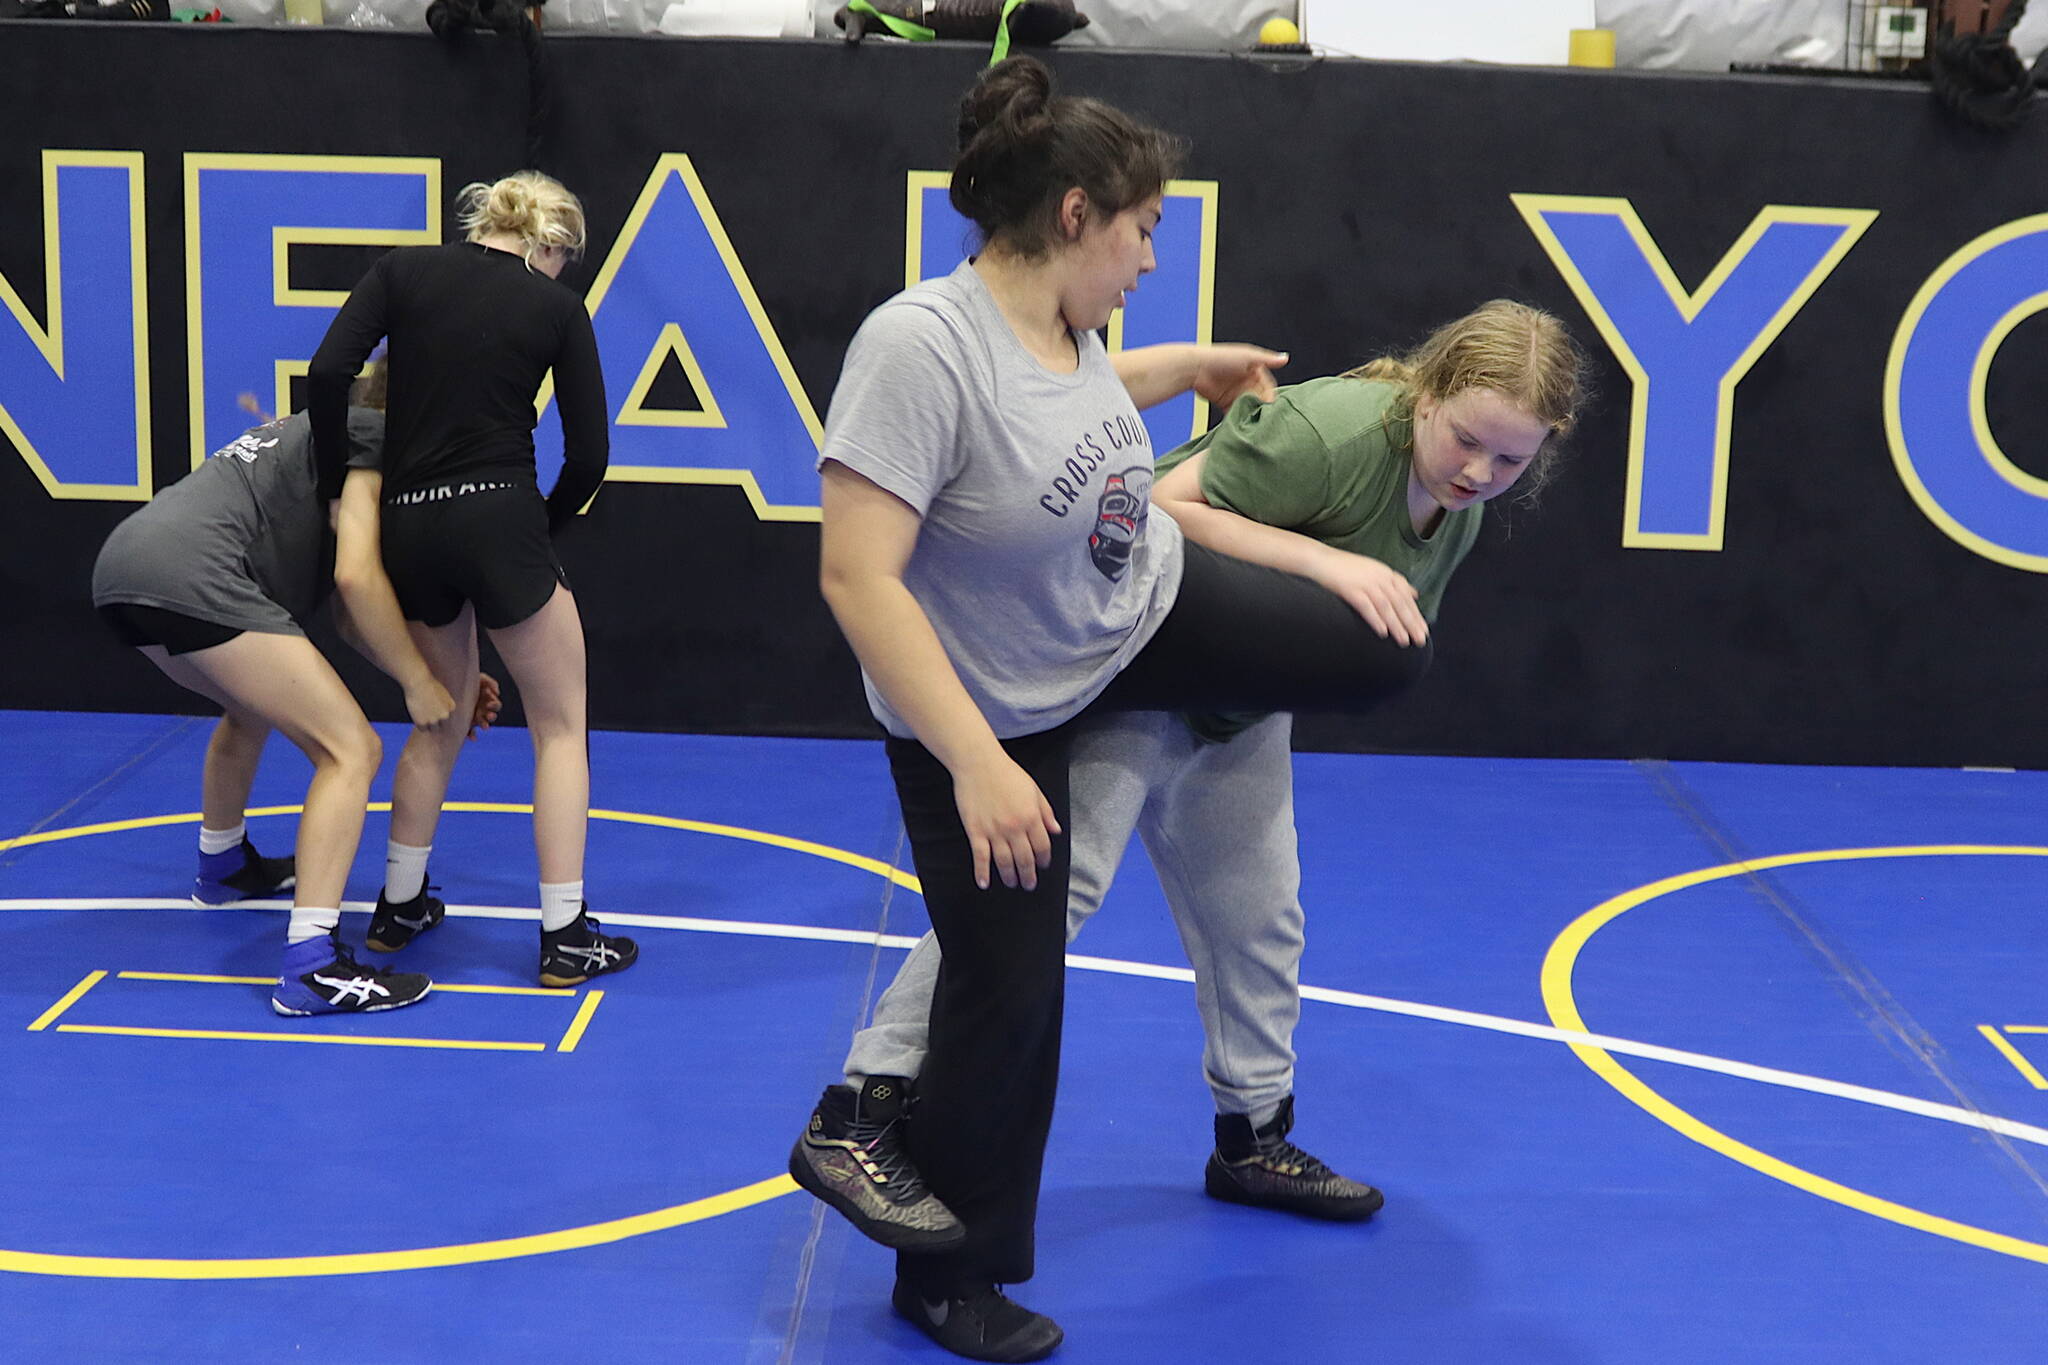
x=984 y=1325
x=571 y=955
x=241 y=873
x=851 y=1156
x=397 y=924
x=1260 y=1167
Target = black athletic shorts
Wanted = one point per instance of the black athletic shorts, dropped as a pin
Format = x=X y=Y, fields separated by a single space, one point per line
x=135 y=625
x=483 y=541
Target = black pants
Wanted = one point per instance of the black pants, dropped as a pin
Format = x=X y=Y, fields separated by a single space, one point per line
x=1239 y=637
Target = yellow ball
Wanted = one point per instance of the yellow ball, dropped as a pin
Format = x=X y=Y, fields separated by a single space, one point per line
x=1276 y=31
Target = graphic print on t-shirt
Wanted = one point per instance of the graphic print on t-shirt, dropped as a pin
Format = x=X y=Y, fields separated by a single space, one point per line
x=249 y=444
x=1119 y=513
x=1126 y=493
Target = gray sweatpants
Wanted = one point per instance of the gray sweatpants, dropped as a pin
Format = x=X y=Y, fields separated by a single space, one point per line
x=1218 y=823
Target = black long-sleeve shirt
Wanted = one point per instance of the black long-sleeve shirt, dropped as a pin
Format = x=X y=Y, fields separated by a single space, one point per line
x=473 y=331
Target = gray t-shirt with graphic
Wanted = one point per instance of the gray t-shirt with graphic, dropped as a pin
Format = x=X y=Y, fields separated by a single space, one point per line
x=241 y=541
x=1037 y=561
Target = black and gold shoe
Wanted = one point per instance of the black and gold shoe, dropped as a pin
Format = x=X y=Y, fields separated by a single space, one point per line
x=851 y=1156
x=1260 y=1167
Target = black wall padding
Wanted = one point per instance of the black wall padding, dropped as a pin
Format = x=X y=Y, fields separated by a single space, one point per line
x=1360 y=203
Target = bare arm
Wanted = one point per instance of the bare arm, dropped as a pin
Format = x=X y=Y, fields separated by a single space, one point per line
x=366 y=608
x=1383 y=597
x=867 y=539
x=1218 y=373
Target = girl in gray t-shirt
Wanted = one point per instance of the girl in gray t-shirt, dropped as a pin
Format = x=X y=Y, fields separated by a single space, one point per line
x=212 y=581
x=989 y=550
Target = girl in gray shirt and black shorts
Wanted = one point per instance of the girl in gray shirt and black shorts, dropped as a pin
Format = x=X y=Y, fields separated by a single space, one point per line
x=212 y=581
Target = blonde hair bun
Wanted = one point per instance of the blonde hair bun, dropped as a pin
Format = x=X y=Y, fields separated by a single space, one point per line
x=535 y=208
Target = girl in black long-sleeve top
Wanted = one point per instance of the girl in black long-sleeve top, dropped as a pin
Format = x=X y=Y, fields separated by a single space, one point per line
x=474 y=328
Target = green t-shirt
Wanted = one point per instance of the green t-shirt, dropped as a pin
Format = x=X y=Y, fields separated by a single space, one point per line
x=1324 y=458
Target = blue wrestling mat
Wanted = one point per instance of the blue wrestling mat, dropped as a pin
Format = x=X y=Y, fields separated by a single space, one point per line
x=1656 y=1063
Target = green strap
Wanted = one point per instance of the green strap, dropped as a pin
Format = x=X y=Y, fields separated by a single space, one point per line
x=1002 y=47
x=902 y=28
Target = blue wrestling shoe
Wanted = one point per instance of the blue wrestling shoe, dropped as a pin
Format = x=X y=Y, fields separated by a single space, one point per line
x=321 y=976
x=241 y=874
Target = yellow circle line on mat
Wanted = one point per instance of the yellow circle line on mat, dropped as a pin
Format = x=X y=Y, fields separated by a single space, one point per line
x=423 y=1258
x=1559 y=1000
x=624 y=817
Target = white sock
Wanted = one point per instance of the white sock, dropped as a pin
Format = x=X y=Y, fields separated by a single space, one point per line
x=405 y=870
x=221 y=840
x=311 y=921
x=560 y=904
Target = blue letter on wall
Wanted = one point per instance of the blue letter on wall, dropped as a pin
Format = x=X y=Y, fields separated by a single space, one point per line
x=74 y=388
x=1686 y=352
x=673 y=295
x=1934 y=396
x=249 y=330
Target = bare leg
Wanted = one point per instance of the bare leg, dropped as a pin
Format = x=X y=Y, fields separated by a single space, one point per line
x=545 y=655
x=231 y=758
x=428 y=760
x=283 y=682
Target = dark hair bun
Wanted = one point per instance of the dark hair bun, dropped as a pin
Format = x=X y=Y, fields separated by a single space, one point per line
x=1022 y=147
x=1005 y=115
x=1005 y=99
